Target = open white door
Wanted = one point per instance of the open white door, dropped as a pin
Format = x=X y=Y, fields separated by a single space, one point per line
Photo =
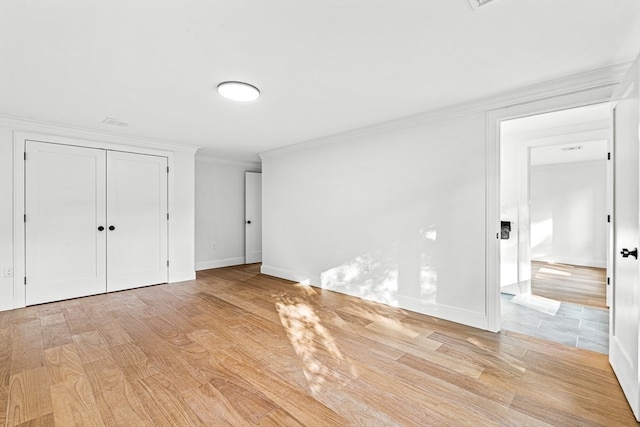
x=625 y=310
x=253 y=217
x=137 y=220
x=65 y=222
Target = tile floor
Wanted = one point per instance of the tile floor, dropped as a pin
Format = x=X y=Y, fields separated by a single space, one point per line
x=570 y=324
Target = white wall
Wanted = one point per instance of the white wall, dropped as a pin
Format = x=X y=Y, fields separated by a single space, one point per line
x=395 y=217
x=181 y=197
x=568 y=211
x=219 y=208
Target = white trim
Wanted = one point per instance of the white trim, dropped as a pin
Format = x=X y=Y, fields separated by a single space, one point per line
x=211 y=159
x=597 y=263
x=218 y=263
x=478 y=320
x=607 y=77
x=572 y=99
x=57 y=130
x=291 y=275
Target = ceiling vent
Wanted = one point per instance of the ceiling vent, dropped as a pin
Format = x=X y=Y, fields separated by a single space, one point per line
x=475 y=4
x=114 y=122
x=574 y=148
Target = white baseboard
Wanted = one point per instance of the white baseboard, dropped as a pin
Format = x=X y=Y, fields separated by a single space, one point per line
x=453 y=314
x=572 y=261
x=290 y=275
x=181 y=276
x=217 y=263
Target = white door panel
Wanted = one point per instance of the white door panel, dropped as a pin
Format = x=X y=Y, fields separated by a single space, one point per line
x=625 y=309
x=65 y=205
x=253 y=217
x=137 y=212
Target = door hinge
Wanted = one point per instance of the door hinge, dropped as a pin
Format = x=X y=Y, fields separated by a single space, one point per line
x=167 y=169
x=608 y=218
x=608 y=280
x=167 y=217
x=25 y=280
x=167 y=263
x=609 y=155
x=25 y=218
x=25 y=155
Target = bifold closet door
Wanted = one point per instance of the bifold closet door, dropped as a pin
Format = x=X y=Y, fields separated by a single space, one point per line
x=137 y=220
x=65 y=208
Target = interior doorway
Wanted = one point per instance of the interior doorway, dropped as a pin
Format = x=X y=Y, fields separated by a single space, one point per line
x=555 y=193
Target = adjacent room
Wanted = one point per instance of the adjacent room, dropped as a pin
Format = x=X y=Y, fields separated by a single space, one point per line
x=305 y=213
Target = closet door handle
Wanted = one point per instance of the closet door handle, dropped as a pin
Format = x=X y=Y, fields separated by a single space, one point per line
x=111 y=228
x=101 y=228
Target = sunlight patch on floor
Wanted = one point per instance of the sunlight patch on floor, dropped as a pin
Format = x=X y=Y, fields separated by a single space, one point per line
x=541 y=304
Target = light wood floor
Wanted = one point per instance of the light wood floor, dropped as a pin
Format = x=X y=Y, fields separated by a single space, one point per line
x=569 y=283
x=237 y=348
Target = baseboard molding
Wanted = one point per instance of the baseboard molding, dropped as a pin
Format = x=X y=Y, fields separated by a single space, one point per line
x=290 y=275
x=218 y=263
x=573 y=261
x=181 y=276
x=453 y=314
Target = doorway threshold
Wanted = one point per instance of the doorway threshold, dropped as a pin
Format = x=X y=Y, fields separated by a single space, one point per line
x=566 y=323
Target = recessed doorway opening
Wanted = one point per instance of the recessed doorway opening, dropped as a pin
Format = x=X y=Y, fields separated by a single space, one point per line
x=555 y=193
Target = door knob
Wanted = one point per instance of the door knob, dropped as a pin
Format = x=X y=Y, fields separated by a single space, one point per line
x=111 y=227
x=101 y=228
x=248 y=222
x=626 y=252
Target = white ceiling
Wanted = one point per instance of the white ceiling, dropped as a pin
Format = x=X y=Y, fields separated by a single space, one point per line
x=324 y=67
x=565 y=136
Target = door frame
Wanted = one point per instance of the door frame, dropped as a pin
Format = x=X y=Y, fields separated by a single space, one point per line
x=19 y=247
x=247 y=258
x=597 y=95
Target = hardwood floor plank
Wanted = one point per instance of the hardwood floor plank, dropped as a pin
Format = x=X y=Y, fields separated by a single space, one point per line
x=91 y=346
x=235 y=347
x=5 y=356
x=569 y=283
x=163 y=404
x=28 y=396
x=213 y=408
x=4 y=399
x=74 y=404
x=117 y=403
x=55 y=334
x=113 y=333
x=63 y=363
x=77 y=320
x=43 y=421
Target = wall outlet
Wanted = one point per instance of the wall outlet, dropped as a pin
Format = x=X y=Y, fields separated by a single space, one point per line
x=8 y=272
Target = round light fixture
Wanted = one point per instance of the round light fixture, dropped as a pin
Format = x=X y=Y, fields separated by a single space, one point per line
x=238 y=91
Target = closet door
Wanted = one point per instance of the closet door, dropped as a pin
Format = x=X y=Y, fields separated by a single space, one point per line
x=65 y=208
x=137 y=220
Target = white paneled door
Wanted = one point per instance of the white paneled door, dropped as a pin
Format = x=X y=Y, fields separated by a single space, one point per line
x=137 y=220
x=253 y=217
x=624 y=326
x=65 y=209
x=96 y=221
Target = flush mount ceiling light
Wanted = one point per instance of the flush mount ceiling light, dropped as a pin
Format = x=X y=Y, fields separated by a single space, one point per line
x=238 y=91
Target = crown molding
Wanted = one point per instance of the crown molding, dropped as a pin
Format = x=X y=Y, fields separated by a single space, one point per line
x=26 y=125
x=211 y=159
x=607 y=77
